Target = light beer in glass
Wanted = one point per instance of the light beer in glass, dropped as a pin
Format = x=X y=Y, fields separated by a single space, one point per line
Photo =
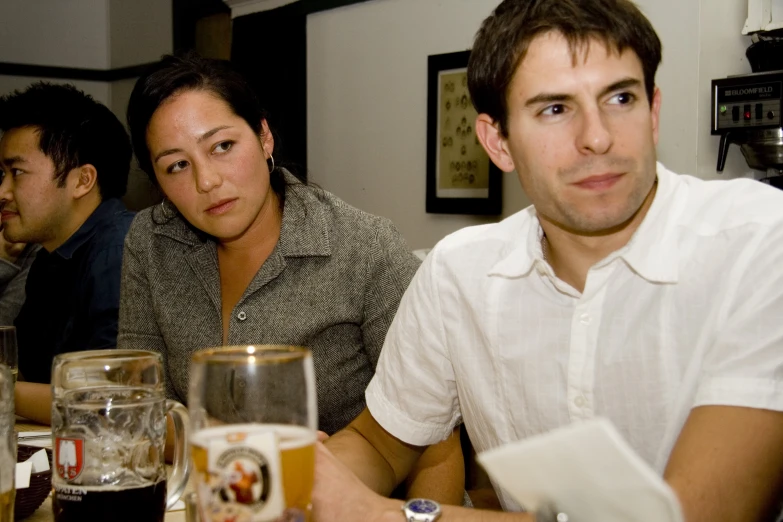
x=253 y=414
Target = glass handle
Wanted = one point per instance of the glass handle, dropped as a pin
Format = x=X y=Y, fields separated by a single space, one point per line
x=191 y=508
x=181 y=472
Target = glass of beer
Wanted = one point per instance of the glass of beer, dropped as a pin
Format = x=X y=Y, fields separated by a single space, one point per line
x=7 y=445
x=8 y=350
x=109 y=432
x=253 y=422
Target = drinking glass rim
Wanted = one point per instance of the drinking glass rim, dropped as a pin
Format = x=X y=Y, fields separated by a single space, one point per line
x=251 y=354
x=109 y=353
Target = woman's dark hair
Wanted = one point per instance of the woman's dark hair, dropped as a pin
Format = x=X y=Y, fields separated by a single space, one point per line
x=505 y=36
x=189 y=72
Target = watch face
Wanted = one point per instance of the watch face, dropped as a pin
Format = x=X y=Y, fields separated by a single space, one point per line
x=423 y=506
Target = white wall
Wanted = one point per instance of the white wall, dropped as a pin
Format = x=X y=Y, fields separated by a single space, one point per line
x=677 y=78
x=367 y=101
x=367 y=106
x=65 y=33
x=83 y=34
x=58 y=33
x=721 y=53
x=139 y=31
x=87 y=34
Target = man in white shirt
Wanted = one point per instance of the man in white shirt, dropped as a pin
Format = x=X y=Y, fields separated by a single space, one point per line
x=626 y=291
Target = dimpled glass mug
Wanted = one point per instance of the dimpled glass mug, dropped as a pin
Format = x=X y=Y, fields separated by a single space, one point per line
x=7 y=445
x=253 y=423
x=109 y=433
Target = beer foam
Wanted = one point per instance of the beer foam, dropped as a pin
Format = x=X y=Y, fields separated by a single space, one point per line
x=289 y=436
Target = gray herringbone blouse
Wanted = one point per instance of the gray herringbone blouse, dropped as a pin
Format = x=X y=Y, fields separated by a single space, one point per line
x=332 y=283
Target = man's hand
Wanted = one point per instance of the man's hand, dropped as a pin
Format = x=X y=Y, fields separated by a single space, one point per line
x=10 y=251
x=338 y=494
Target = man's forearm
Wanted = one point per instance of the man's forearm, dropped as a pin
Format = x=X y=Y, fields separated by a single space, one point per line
x=439 y=474
x=374 y=455
x=34 y=401
x=353 y=450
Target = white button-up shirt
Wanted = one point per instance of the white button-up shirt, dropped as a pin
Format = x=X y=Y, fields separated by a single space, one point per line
x=688 y=313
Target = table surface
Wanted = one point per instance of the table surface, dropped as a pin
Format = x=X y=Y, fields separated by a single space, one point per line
x=44 y=513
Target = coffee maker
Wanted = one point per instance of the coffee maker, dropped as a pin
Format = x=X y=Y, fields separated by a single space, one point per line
x=748 y=109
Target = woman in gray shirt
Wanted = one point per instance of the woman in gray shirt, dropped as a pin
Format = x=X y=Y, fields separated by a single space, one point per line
x=242 y=252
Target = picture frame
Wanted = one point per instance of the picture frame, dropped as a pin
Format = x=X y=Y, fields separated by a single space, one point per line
x=461 y=179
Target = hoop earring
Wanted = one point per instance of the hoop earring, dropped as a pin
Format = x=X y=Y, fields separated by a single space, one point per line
x=272 y=159
x=167 y=208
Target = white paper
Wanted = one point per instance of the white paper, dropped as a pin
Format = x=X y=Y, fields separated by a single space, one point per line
x=40 y=461
x=23 y=470
x=586 y=470
x=41 y=439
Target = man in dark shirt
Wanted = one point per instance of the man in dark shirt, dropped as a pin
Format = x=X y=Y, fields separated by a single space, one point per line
x=65 y=160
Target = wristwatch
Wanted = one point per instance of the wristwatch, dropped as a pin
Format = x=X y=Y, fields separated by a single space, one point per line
x=421 y=510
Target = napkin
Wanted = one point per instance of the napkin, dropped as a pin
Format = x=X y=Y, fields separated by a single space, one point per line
x=23 y=472
x=586 y=470
x=39 y=461
x=41 y=439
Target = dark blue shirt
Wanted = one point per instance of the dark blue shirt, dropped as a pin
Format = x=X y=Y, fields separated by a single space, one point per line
x=73 y=293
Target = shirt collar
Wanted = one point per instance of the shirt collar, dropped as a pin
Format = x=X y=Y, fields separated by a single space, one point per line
x=652 y=252
x=100 y=216
x=304 y=230
x=524 y=250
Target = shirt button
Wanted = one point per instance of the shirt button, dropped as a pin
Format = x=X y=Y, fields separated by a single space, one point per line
x=580 y=402
x=585 y=319
x=242 y=315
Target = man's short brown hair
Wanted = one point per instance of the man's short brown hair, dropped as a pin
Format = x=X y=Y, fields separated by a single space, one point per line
x=505 y=36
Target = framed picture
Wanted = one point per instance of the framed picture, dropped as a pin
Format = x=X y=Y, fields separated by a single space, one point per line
x=460 y=177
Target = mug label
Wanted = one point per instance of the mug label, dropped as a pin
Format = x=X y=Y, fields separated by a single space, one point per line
x=239 y=475
x=69 y=493
x=69 y=457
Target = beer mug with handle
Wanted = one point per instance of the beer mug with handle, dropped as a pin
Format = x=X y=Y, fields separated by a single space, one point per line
x=109 y=432
x=7 y=445
x=253 y=431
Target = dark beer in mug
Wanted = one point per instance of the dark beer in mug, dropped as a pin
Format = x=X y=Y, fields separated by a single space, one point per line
x=114 y=503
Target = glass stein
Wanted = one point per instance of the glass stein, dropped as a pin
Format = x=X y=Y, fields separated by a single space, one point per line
x=109 y=416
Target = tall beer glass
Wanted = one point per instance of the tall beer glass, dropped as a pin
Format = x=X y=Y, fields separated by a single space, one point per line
x=254 y=417
x=9 y=354
x=109 y=430
x=7 y=445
